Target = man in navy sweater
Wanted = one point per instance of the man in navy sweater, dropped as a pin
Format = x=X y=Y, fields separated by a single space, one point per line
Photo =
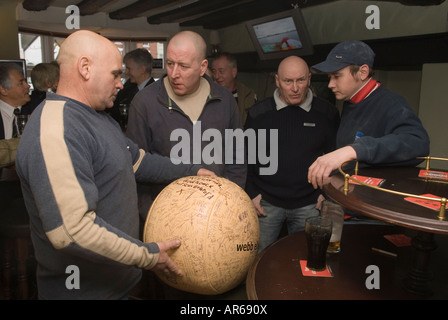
x=306 y=127
x=377 y=127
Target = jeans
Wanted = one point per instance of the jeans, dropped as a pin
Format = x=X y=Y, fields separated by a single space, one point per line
x=271 y=225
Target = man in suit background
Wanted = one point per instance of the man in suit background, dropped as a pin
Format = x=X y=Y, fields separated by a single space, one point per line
x=138 y=70
x=14 y=92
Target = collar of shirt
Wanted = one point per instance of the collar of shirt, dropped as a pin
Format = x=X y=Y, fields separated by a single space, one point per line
x=7 y=112
x=305 y=105
x=365 y=91
x=143 y=84
x=7 y=109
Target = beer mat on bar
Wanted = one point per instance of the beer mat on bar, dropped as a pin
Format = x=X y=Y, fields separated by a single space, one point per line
x=399 y=240
x=433 y=174
x=367 y=180
x=430 y=204
x=309 y=273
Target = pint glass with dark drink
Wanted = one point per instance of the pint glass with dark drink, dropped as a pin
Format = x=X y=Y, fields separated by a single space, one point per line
x=318 y=234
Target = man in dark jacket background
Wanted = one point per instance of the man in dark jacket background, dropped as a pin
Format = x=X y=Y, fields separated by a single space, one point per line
x=225 y=71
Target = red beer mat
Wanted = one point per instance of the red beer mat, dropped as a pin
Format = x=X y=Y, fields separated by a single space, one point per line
x=399 y=240
x=433 y=174
x=309 y=273
x=367 y=180
x=433 y=205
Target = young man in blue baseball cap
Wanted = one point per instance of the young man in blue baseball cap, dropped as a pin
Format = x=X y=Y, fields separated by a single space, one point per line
x=378 y=127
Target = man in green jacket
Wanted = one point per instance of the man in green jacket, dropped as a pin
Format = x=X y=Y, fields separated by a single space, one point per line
x=225 y=70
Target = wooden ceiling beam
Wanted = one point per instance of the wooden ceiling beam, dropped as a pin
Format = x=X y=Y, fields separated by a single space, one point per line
x=239 y=13
x=36 y=5
x=138 y=8
x=88 y=7
x=195 y=9
x=246 y=11
x=211 y=14
x=417 y=2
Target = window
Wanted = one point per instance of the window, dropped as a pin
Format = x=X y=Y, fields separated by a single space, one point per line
x=157 y=50
x=36 y=48
x=30 y=49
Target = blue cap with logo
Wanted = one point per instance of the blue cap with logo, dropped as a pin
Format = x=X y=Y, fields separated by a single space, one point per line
x=352 y=52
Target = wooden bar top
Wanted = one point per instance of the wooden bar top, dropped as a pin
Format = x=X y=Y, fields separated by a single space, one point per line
x=276 y=273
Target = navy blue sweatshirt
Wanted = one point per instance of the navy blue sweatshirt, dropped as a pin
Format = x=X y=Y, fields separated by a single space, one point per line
x=78 y=173
x=383 y=130
x=302 y=137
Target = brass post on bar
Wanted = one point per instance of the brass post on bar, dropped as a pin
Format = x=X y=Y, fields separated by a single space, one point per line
x=428 y=160
x=346 y=178
x=442 y=208
x=443 y=201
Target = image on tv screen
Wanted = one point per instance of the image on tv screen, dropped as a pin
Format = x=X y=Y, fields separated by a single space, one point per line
x=278 y=35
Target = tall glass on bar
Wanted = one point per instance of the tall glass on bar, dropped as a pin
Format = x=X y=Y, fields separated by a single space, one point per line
x=334 y=212
x=318 y=234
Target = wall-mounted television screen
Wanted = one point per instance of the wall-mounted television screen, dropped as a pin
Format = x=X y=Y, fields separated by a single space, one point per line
x=280 y=35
